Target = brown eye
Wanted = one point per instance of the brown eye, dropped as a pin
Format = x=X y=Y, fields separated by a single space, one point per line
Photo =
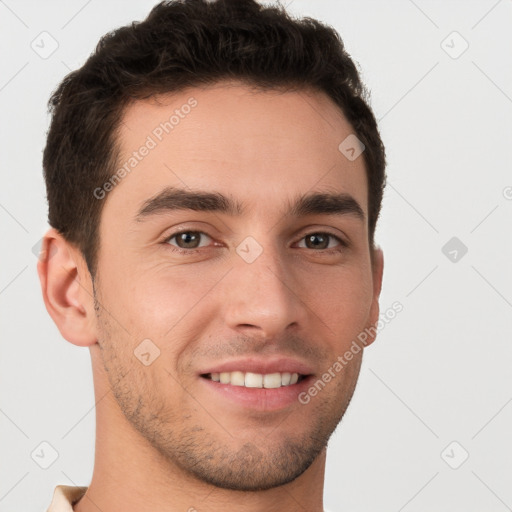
x=315 y=241
x=321 y=241
x=187 y=239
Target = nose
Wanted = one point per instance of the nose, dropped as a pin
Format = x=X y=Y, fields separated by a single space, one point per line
x=263 y=297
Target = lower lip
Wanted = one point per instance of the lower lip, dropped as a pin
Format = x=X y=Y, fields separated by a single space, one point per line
x=259 y=399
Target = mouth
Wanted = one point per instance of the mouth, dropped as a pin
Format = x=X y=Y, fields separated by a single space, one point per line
x=256 y=384
x=256 y=380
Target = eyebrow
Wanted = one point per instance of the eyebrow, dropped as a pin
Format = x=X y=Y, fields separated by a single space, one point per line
x=314 y=203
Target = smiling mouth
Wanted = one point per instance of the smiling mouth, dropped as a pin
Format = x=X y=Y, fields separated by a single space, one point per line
x=256 y=380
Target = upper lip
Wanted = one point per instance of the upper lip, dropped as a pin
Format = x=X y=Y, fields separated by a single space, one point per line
x=259 y=365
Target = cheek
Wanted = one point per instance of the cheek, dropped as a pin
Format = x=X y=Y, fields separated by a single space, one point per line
x=341 y=299
x=156 y=303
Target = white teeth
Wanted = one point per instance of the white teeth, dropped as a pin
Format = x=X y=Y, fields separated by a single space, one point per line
x=272 y=380
x=253 y=380
x=237 y=379
x=256 y=380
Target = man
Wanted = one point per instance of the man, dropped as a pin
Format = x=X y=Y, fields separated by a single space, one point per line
x=214 y=178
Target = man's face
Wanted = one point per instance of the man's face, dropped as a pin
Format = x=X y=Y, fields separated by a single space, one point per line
x=266 y=290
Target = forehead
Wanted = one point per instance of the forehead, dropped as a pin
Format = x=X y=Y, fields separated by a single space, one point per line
x=228 y=137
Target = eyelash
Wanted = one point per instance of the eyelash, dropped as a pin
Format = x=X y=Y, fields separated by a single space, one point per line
x=343 y=244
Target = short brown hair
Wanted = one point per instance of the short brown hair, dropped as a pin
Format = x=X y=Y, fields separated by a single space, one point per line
x=181 y=44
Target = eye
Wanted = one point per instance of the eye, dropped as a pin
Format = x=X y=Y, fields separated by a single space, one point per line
x=186 y=241
x=321 y=241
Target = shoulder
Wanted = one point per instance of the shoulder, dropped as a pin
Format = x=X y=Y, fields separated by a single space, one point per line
x=64 y=496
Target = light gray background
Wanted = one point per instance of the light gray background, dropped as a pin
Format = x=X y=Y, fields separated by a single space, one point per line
x=438 y=373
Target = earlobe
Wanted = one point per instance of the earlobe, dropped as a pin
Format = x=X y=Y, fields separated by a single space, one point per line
x=377 y=272
x=66 y=286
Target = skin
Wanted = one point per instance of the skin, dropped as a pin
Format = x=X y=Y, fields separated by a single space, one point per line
x=163 y=440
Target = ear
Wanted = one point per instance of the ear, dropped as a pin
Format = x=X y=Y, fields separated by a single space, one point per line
x=377 y=271
x=66 y=285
